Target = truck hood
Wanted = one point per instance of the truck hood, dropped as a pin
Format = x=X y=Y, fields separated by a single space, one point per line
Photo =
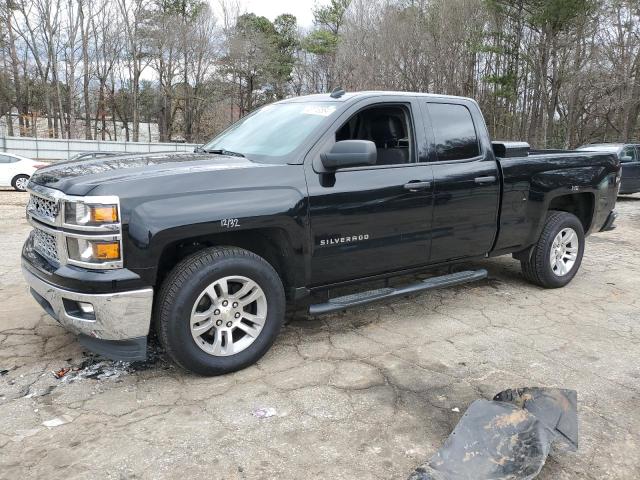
x=81 y=176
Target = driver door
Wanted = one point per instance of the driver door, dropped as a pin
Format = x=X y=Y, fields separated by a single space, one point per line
x=369 y=220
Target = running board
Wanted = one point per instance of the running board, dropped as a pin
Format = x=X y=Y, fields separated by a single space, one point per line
x=362 y=298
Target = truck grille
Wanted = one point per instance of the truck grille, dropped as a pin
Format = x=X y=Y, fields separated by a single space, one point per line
x=45 y=244
x=43 y=207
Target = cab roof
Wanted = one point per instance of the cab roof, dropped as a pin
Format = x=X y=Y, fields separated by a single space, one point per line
x=349 y=96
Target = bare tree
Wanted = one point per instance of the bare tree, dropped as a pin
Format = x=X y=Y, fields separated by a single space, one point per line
x=134 y=14
x=553 y=72
x=106 y=39
x=15 y=68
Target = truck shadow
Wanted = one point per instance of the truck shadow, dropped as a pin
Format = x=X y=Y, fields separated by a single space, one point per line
x=628 y=198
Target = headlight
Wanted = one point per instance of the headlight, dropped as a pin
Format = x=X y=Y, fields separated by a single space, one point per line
x=93 y=251
x=90 y=215
x=92 y=232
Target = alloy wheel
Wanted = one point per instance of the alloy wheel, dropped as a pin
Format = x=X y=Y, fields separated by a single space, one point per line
x=228 y=315
x=21 y=183
x=564 y=251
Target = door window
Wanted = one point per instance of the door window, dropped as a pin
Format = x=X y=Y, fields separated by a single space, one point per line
x=387 y=126
x=631 y=153
x=7 y=159
x=454 y=131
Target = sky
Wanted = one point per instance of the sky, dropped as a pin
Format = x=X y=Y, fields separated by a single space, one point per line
x=302 y=9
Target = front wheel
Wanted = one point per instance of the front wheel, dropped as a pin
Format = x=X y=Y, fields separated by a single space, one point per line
x=220 y=310
x=557 y=256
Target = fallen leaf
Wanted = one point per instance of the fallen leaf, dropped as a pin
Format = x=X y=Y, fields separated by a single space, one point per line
x=61 y=373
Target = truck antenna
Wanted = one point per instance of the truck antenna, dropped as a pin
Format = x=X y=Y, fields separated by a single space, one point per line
x=337 y=92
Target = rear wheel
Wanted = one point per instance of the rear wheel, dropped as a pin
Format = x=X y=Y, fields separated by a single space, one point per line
x=20 y=183
x=220 y=310
x=557 y=256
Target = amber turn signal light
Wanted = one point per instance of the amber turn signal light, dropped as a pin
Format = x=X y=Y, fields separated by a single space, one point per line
x=107 y=251
x=104 y=214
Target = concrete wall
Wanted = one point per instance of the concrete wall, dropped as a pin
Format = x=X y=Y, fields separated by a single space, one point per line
x=58 y=149
x=39 y=128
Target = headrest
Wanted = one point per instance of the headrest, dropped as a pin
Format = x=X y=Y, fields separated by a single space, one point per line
x=385 y=129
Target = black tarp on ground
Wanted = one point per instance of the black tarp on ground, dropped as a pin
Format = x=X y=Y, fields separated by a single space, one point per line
x=507 y=438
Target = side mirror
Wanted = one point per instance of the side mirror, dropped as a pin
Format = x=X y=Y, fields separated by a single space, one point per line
x=198 y=149
x=350 y=153
x=626 y=159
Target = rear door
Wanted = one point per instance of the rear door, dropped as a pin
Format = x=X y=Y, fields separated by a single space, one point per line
x=466 y=181
x=370 y=220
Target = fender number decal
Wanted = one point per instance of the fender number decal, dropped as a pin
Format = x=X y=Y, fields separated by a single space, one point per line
x=230 y=222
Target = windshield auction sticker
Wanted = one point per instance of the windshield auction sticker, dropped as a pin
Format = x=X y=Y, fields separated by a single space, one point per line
x=321 y=110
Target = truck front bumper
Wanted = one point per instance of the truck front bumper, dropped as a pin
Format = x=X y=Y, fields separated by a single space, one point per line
x=115 y=325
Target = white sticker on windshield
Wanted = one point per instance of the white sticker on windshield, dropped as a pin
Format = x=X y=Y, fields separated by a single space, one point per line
x=322 y=110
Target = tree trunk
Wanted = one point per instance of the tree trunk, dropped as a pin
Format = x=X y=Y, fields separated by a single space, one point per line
x=188 y=118
x=633 y=103
x=552 y=102
x=134 y=103
x=47 y=102
x=103 y=109
x=574 y=98
x=56 y=83
x=84 y=33
x=15 y=70
x=9 y=120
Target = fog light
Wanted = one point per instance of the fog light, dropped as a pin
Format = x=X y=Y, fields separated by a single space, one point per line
x=81 y=310
x=86 y=308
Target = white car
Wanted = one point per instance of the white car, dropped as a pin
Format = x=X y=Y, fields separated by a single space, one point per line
x=15 y=170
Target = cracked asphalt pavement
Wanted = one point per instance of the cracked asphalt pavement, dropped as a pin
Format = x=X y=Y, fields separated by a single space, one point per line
x=366 y=394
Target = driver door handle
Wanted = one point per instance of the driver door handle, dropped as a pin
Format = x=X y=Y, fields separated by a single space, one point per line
x=416 y=185
x=490 y=179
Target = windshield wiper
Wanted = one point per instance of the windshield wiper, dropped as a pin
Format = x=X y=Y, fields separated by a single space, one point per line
x=221 y=151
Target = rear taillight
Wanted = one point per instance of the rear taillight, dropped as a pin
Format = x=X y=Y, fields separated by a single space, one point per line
x=40 y=165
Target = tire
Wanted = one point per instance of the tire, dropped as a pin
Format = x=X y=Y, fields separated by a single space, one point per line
x=538 y=267
x=193 y=290
x=19 y=183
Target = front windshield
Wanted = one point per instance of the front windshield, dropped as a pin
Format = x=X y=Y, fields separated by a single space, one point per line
x=272 y=132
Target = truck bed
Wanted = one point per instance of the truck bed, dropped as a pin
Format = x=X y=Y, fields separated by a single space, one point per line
x=532 y=184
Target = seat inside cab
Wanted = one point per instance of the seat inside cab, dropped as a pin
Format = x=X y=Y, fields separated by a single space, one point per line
x=387 y=127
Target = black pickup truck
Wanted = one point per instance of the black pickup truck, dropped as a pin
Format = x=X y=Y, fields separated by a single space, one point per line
x=299 y=198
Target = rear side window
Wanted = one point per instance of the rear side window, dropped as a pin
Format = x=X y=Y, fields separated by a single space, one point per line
x=455 y=134
x=7 y=159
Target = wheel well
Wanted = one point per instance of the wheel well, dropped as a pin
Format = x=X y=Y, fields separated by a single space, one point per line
x=272 y=244
x=580 y=204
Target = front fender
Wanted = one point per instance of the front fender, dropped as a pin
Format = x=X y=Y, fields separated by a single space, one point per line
x=158 y=223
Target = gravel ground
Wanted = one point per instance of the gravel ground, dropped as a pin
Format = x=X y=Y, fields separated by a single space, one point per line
x=366 y=394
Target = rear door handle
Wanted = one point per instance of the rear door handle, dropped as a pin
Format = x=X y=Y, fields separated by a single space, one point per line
x=490 y=179
x=416 y=185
